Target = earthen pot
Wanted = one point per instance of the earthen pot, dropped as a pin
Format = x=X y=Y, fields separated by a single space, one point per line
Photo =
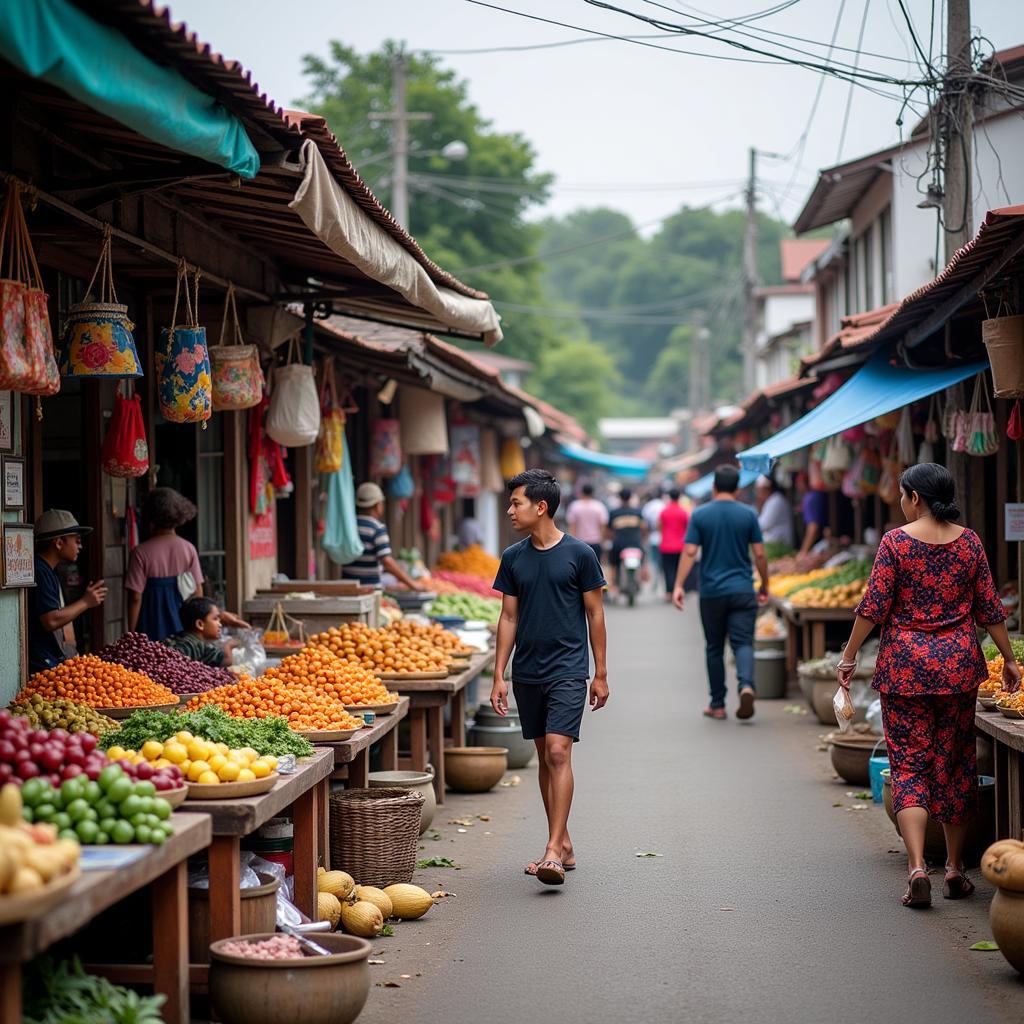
x=1006 y=918
x=474 y=769
x=505 y=734
x=422 y=782
x=314 y=990
x=851 y=754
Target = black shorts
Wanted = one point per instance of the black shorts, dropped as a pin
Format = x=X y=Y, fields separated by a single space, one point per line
x=551 y=707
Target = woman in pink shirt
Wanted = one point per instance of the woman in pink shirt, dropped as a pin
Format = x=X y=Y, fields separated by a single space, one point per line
x=587 y=518
x=673 y=522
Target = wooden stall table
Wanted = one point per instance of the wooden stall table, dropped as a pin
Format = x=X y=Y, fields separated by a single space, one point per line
x=162 y=868
x=806 y=630
x=1007 y=737
x=428 y=699
x=352 y=756
x=304 y=792
x=793 y=635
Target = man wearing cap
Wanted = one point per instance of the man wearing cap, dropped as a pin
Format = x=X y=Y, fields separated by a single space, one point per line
x=51 y=638
x=366 y=569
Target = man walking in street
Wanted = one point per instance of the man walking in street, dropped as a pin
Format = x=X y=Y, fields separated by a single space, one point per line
x=587 y=519
x=552 y=586
x=726 y=532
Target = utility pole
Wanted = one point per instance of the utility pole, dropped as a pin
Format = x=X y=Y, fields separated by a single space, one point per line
x=957 y=113
x=750 y=278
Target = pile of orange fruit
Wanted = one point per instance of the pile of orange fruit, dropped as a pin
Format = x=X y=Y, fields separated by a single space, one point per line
x=99 y=684
x=472 y=560
x=380 y=650
x=994 y=683
x=434 y=634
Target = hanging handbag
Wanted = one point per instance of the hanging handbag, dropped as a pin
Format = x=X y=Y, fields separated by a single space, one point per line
x=982 y=436
x=951 y=413
x=889 y=481
x=27 y=363
x=386 y=448
x=837 y=456
x=293 y=419
x=512 y=460
x=183 y=366
x=330 y=447
x=401 y=486
x=341 y=530
x=125 y=452
x=234 y=366
x=1015 y=427
x=98 y=339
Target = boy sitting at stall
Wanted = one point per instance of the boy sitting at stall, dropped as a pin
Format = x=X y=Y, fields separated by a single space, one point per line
x=200 y=638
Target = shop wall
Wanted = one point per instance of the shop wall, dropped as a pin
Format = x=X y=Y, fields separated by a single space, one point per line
x=13 y=602
x=998 y=166
x=913 y=230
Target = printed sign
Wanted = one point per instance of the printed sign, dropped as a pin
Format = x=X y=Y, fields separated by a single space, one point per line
x=19 y=569
x=13 y=483
x=1014 y=521
x=6 y=421
x=262 y=536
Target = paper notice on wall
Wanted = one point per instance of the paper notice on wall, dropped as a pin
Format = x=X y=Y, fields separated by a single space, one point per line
x=1014 y=513
x=262 y=536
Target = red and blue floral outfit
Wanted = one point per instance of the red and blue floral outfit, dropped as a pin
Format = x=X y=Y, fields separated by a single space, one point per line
x=927 y=599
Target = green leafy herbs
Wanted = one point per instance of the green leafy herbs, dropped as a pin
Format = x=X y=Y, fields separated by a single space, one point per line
x=986 y=946
x=265 y=735
x=59 y=993
x=991 y=651
x=436 y=862
x=387 y=931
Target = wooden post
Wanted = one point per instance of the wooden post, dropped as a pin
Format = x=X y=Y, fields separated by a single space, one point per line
x=10 y=994
x=305 y=842
x=435 y=741
x=225 y=899
x=303 y=511
x=170 y=942
x=236 y=507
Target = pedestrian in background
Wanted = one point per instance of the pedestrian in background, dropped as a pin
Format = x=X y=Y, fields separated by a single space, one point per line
x=587 y=518
x=672 y=523
x=814 y=512
x=725 y=532
x=930 y=584
x=553 y=597
x=774 y=513
x=652 y=520
x=626 y=529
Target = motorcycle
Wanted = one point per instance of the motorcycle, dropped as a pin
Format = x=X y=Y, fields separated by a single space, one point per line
x=631 y=560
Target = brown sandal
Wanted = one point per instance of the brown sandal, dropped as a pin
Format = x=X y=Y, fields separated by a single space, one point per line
x=957 y=885
x=551 y=872
x=919 y=890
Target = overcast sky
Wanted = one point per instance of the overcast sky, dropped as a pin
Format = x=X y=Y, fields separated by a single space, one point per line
x=622 y=124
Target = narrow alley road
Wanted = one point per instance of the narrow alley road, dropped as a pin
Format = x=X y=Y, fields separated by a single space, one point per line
x=767 y=902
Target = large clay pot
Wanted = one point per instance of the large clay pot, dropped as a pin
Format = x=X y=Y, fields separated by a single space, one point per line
x=1006 y=918
x=313 y=990
x=507 y=734
x=851 y=756
x=474 y=769
x=422 y=782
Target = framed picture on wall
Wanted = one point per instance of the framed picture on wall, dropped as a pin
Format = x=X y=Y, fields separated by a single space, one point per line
x=13 y=473
x=18 y=569
x=6 y=421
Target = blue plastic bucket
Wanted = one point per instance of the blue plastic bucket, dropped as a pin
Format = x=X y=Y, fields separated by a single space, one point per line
x=875 y=768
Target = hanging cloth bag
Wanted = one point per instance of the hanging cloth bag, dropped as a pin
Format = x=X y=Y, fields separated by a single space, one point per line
x=183 y=365
x=234 y=366
x=293 y=419
x=1015 y=427
x=1003 y=336
x=26 y=339
x=386 y=448
x=125 y=452
x=951 y=412
x=330 y=447
x=401 y=486
x=983 y=438
x=905 y=449
x=98 y=339
x=341 y=530
x=837 y=456
x=512 y=460
x=424 y=423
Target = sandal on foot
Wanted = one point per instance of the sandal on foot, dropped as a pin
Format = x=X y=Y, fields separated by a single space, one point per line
x=551 y=872
x=719 y=713
x=746 y=708
x=531 y=868
x=919 y=890
x=957 y=885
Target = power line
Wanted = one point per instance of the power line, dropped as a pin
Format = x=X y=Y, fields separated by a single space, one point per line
x=849 y=95
x=913 y=37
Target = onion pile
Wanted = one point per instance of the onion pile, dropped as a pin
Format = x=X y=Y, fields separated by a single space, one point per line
x=164 y=665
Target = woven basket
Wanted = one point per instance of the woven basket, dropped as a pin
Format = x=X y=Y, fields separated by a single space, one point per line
x=374 y=834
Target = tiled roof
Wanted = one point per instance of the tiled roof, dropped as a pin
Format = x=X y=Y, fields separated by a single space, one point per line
x=855 y=330
x=797 y=253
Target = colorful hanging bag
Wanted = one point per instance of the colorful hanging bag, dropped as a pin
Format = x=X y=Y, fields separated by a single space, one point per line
x=234 y=366
x=1015 y=427
x=183 y=366
x=330 y=442
x=26 y=339
x=125 y=452
x=982 y=436
x=98 y=339
x=386 y=448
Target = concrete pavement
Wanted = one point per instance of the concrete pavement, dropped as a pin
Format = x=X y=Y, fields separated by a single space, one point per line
x=768 y=903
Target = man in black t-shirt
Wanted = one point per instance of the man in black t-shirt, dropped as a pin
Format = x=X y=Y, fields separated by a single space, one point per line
x=626 y=529
x=552 y=586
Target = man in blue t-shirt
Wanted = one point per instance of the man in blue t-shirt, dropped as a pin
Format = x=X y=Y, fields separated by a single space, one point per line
x=553 y=587
x=726 y=532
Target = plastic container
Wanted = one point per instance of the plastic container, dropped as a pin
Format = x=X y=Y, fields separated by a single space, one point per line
x=276 y=847
x=770 y=674
x=875 y=768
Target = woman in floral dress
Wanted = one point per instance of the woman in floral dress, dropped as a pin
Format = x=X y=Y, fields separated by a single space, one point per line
x=929 y=585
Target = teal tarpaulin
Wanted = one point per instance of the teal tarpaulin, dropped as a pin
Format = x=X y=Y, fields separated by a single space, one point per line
x=701 y=489
x=875 y=389
x=55 y=41
x=619 y=464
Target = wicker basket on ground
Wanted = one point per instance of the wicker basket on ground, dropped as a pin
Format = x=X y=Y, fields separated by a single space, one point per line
x=374 y=834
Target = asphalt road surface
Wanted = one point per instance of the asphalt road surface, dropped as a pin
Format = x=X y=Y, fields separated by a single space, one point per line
x=767 y=901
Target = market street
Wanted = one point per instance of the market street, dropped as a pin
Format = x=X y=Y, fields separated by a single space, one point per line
x=768 y=903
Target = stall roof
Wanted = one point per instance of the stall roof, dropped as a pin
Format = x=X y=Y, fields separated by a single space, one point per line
x=875 y=389
x=701 y=489
x=758 y=405
x=618 y=464
x=856 y=331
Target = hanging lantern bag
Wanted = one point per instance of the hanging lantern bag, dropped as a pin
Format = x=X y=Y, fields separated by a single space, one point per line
x=183 y=366
x=98 y=339
x=26 y=339
x=234 y=366
x=1003 y=336
x=293 y=419
x=125 y=452
x=330 y=442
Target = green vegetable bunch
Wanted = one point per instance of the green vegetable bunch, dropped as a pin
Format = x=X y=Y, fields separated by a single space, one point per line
x=991 y=651
x=774 y=550
x=61 y=993
x=467 y=606
x=265 y=735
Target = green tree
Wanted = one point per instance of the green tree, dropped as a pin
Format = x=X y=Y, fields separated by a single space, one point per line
x=579 y=377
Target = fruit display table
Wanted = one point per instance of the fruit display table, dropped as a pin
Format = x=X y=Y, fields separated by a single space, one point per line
x=316 y=613
x=352 y=757
x=1007 y=737
x=806 y=630
x=304 y=796
x=162 y=868
x=428 y=700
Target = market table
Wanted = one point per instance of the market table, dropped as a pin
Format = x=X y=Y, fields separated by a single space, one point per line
x=428 y=699
x=305 y=793
x=162 y=868
x=1007 y=737
x=805 y=634
x=352 y=756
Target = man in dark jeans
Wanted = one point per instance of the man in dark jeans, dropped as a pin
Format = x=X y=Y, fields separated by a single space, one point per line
x=725 y=532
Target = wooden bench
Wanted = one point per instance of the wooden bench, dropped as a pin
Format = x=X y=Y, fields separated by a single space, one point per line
x=1007 y=737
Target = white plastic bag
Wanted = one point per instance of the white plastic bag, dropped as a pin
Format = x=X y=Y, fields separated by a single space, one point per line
x=844 y=709
x=293 y=418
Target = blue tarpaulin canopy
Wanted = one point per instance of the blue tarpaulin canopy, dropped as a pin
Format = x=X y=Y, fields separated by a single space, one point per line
x=57 y=42
x=875 y=389
x=618 y=464
x=701 y=489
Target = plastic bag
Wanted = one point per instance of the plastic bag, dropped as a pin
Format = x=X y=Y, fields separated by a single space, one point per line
x=874 y=716
x=249 y=655
x=844 y=709
x=341 y=531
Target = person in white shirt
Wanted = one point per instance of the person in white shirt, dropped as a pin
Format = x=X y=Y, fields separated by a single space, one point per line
x=774 y=513
x=652 y=517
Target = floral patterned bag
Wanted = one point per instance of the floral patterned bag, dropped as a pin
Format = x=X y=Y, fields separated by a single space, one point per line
x=234 y=366
x=183 y=367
